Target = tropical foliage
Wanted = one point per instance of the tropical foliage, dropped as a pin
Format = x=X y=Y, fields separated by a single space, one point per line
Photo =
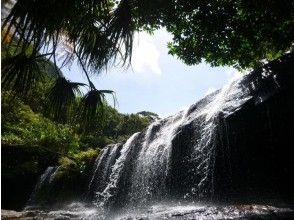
x=99 y=33
x=22 y=126
x=35 y=136
x=94 y=33
x=32 y=140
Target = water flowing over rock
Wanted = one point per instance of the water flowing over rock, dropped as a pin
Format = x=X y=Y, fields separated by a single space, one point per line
x=42 y=188
x=233 y=145
x=149 y=154
x=188 y=156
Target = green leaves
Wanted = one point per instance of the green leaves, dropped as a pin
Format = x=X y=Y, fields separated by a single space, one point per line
x=243 y=34
x=22 y=126
x=238 y=33
x=97 y=29
x=67 y=104
x=121 y=30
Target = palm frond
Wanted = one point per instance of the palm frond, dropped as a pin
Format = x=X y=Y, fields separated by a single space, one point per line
x=98 y=32
x=94 y=49
x=62 y=98
x=21 y=72
x=121 y=31
x=92 y=107
x=78 y=22
x=112 y=93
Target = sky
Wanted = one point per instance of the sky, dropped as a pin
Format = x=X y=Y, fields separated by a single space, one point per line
x=156 y=81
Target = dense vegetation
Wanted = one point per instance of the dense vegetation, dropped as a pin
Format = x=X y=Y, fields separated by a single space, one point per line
x=24 y=122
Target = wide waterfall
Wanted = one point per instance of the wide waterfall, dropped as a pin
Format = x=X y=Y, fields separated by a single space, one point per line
x=202 y=153
x=175 y=158
x=143 y=169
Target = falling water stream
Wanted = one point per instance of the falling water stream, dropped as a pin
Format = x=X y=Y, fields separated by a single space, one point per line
x=173 y=160
x=43 y=184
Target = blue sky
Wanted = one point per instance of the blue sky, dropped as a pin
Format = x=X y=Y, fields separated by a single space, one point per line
x=156 y=81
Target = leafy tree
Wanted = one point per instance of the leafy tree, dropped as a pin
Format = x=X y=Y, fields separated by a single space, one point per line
x=239 y=33
x=131 y=123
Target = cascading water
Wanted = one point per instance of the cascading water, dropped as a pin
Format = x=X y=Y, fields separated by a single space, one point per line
x=151 y=168
x=149 y=152
x=226 y=101
x=103 y=197
x=42 y=186
x=102 y=169
x=174 y=158
x=186 y=157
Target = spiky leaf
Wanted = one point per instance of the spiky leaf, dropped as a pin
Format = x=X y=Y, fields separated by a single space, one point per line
x=21 y=72
x=62 y=98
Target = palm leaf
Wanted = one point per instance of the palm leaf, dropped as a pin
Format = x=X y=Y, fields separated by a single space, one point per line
x=42 y=23
x=121 y=31
x=94 y=48
x=112 y=93
x=92 y=108
x=21 y=72
x=62 y=98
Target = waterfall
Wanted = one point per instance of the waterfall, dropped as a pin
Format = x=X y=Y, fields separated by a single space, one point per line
x=151 y=168
x=226 y=101
x=42 y=187
x=111 y=188
x=148 y=155
x=102 y=169
x=186 y=156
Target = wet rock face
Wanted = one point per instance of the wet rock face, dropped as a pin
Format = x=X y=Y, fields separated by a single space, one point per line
x=254 y=160
x=233 y=145
x=250 y=144
x=255 y=151
x=19 y=175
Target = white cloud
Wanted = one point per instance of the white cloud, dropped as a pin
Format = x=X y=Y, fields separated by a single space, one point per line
x=210 y=90
x=145 y=55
